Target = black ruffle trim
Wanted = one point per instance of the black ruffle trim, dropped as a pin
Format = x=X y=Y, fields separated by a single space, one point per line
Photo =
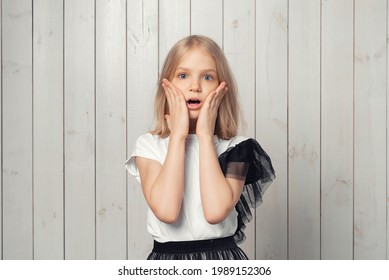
x=259 y=176
x=212 y=249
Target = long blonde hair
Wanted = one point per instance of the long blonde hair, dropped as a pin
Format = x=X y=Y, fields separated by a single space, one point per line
x=227 y=121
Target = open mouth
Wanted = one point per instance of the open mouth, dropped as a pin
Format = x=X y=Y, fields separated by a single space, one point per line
x=193 y=101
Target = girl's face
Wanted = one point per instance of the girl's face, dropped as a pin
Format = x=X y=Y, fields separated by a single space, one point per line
x=196 y=77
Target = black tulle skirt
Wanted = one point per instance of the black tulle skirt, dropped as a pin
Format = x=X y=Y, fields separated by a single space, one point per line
x=211 y=249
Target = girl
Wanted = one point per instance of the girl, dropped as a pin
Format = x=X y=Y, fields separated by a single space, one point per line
x=198 y=177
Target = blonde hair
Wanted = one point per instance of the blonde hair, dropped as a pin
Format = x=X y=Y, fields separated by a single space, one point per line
x=227 y=121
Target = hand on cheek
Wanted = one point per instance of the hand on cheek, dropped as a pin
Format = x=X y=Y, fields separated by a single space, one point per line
x=178 y=117
x=209 y=111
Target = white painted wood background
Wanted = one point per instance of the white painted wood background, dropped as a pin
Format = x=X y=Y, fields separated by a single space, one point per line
x=77 y=85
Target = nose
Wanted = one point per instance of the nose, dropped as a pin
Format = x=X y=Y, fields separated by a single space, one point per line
x=195 y=86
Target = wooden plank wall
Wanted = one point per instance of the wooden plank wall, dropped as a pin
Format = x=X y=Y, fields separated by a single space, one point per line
x=77 y=84
x=48 y=85
x=17 y=130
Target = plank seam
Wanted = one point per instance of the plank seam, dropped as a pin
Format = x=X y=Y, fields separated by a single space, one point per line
x=32 y=132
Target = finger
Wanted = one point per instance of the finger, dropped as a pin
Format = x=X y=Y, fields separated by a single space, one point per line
x=214 y=94
x=171 y=92
x=222 y=86
x=168 y=95
x=165 y=82
x=175 y=90
x=223 y=92
x=176 y=100
x=219 y=90
x=169 y=85
x=209 y=98
x=217 y=97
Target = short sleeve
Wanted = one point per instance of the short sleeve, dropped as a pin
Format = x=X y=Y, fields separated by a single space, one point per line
x=145 y=146
x=249 y=162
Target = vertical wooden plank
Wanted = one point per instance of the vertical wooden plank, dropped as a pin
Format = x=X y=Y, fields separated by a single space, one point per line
x=304 y=129
x=142 y=76
x=239 y=47
x=337 y=130
x=203 y=12
x=271 y=125
x=370 y=130
x=79 y=130
x=387 y=133
x=48 y=129
x=174 y=24
x=17 y=129
x=111 y=226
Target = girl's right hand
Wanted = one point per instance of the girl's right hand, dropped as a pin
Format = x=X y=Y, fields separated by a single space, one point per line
x=178 y=117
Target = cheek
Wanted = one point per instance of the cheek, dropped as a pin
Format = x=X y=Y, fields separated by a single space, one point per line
x=178 y=82
x=210 y=86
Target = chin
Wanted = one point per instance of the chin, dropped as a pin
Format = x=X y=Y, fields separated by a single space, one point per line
x=193 y=115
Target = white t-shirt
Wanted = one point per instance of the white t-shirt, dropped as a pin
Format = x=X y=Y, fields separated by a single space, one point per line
x=191 y=224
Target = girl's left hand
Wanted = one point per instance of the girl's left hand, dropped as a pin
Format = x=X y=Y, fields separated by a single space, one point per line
x=208 y=114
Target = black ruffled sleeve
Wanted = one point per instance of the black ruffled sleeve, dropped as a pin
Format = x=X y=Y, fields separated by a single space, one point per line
x=247 y=161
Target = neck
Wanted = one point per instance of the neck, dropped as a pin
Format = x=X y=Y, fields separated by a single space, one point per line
x=192 y=126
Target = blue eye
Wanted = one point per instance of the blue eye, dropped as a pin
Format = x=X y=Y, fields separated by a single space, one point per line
x=182 y=76
x=208 y=77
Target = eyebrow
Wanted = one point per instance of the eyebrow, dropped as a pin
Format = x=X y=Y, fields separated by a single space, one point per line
x=188 y=70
